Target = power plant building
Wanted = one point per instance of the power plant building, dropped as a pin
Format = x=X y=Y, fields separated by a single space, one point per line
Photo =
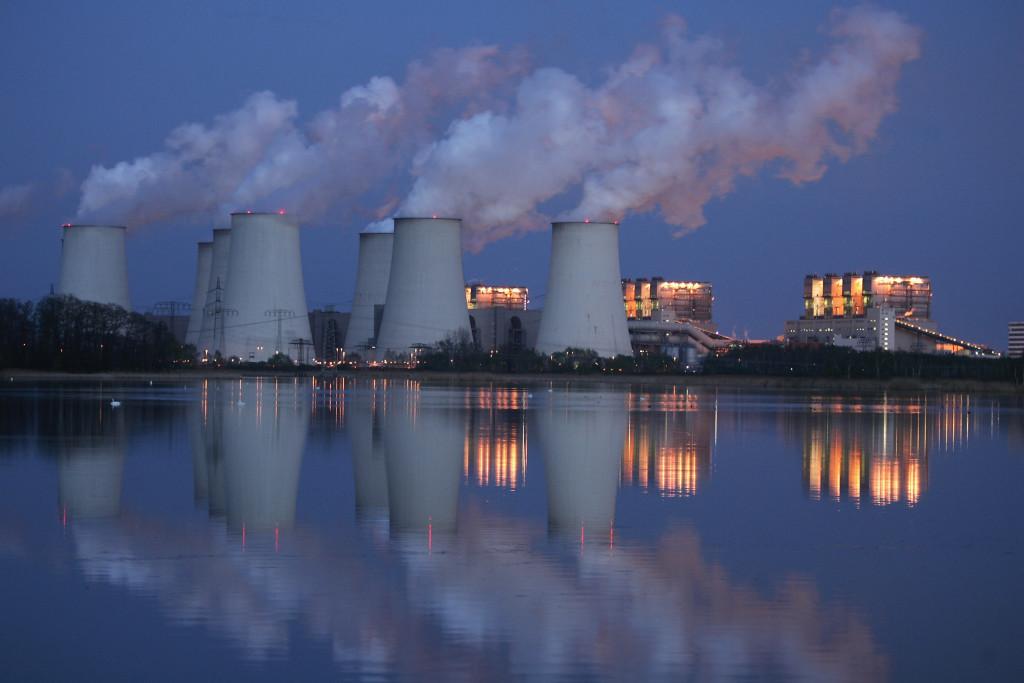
x=264 y=311
x=93 y=266
x=425 y=301
x=871 y=311
x=1015 y=342
x=668 y=301
x=479 y=295
x=583 y=304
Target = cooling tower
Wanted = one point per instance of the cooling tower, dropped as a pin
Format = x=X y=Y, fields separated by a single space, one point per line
x=211 y=329
x=204 y=257
x=263 y=436
x=265 y=301
x=582 y=436
x=371 y=289
x=93 y=265
x=583 y=307
x=426 y=299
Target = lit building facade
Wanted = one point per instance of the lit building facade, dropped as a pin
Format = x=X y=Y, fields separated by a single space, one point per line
x=496 y=296
x=870 y=311
x=668 y=301
x=1015 y=341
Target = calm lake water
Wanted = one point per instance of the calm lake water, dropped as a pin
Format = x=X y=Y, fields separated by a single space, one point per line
x=371 y=529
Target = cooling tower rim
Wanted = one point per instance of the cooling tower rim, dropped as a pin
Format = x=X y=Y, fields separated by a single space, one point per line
x=425 y=218
x=259 y=213
x=221 y=230
x=584 y=222
x=93 y=225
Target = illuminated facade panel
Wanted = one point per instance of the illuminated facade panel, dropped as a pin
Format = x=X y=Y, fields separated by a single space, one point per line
x=668 y=301
x=497 y=296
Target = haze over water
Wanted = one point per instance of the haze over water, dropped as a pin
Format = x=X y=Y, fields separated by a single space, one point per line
x=393 y=529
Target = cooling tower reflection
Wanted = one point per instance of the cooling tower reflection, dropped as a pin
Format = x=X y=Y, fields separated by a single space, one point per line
x=248 y=440
x=581 y=435
x=90 y=461
x=423 y=443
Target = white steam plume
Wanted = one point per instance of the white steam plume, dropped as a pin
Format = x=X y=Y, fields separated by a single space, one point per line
x=259 y=156
x=669 y=129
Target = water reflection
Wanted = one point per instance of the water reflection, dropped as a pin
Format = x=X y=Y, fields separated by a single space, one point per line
x=581 y=435
x=464 y=588
x=90 y=461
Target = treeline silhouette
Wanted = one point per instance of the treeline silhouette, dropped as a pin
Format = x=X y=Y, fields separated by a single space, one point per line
x=827 y=361
x=62 y=333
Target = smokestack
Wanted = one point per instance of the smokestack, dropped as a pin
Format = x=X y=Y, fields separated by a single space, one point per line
x=371 y=289
x=211 y=330
x=264 y=300
x=426 y=299
x=204 y=258
x=583 y=306
x=93 y=265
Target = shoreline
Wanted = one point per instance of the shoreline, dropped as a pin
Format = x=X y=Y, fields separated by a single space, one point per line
x=755 y=382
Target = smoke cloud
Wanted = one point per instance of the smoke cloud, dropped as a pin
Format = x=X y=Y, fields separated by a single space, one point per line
x=670 y=129
x=472 y=133
x=260 y=156
x=14 y=199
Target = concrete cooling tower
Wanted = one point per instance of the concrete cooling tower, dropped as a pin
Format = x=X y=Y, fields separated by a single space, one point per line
x=583 y=306
x=582 y=436
x=426 y=300
x=371 y=289
x=211 y=329
x=93 y=265
x=204 y=257
x=265 y=300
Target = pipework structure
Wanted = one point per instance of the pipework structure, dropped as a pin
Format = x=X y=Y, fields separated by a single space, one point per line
x=93 y=266
x=668 y=300
x=583 y=307
x=373 y=272
x=426 y=301
x=264 y=278
x=204 y=259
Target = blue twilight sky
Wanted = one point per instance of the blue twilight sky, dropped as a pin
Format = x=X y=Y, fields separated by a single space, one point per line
x=937 y=193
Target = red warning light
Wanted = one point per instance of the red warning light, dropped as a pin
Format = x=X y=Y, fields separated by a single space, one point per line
x=66 y=225
x=249 y=211
x=281 y=211
x=434 y=216
x=586 y=220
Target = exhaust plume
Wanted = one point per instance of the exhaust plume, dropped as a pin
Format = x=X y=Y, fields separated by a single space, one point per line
x=669 y=129
x=259 y=155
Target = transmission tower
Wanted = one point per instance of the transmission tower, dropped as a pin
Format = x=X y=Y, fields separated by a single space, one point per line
x=280 y=314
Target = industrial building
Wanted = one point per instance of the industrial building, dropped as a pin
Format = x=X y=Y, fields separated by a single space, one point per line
x=1015 y=342
x=479 y=295
x=425 y=301
x=265 y=300
x=583 y=304
x=330 y=328
x=668 y=301
x=871 y=311
x=93 y=266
